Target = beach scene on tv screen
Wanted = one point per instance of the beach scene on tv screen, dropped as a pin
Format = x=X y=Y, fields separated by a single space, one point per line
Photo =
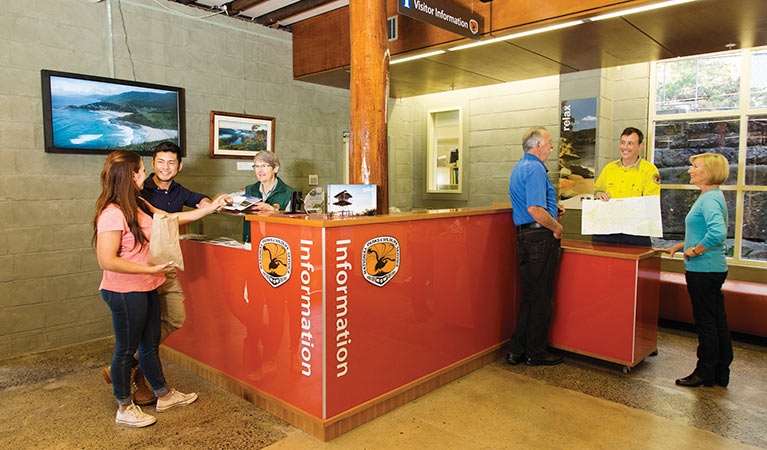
x=95 y=115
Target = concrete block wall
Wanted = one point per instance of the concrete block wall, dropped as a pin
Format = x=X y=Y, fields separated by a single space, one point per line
x=494 y=118
x=629 y=88
x=49 y=275
x=402 y=121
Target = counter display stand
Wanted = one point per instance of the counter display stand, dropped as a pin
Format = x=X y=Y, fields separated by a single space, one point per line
x=329 y=323
x=606 y=302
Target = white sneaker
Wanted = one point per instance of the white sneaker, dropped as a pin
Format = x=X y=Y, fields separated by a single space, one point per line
x=175 y=398
x=134 y=417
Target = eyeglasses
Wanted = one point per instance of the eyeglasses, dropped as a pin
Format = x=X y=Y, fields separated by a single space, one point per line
x=262 y=166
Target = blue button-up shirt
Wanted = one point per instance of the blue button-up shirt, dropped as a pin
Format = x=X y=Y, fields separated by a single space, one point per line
x=171 y=200
x=529 y=185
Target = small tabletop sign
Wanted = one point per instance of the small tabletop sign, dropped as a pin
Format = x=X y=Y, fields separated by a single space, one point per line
x=443 y=15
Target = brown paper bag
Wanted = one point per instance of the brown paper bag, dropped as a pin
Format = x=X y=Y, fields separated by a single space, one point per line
x=163 y=243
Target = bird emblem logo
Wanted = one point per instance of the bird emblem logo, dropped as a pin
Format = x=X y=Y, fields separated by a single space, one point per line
x=274 y=260
x=380 y=259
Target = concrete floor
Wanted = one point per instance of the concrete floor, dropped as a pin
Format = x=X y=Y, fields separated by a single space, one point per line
x=58 y=400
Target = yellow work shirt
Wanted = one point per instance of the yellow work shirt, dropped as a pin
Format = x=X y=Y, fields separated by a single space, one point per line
x=637 y=180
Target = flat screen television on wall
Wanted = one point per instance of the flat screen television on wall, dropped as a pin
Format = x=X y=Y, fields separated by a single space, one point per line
x=89 y=114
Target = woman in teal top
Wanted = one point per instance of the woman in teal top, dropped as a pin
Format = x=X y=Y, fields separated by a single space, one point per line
x=706 y=269
x=275 y=195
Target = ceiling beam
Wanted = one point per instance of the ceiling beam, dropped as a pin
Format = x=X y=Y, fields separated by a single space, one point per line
x=290 y=10
x=238 y=6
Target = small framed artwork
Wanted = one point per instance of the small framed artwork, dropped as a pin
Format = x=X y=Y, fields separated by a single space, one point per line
x=240 y=135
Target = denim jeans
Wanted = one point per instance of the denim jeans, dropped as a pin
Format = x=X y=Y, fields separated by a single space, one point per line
x=714 y=344
x=136 y=323
x=538 y=256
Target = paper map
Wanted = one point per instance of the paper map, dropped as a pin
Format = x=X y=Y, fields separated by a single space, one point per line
x=633 y=215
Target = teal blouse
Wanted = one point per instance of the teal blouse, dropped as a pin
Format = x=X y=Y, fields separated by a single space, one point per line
x=706 y=224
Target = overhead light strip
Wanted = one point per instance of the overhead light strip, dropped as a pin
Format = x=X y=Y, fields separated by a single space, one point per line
x=518 y=35
x=422 y=55
x=638 y=9
x=625 y=12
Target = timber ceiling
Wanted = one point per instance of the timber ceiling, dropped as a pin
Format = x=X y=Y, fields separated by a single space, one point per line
x=271 y=13
x=701 y=26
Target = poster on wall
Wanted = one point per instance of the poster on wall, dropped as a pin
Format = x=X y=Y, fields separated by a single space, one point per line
x=577 y=151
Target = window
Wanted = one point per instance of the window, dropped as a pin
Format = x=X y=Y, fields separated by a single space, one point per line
x=714 y=103
x=445 y=143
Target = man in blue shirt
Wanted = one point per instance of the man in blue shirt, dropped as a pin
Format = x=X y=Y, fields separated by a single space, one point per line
x=162 y=192
x=159 y=188
x=535 y=213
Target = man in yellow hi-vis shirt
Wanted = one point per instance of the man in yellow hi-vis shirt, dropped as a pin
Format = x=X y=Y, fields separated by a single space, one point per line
x=630 y=176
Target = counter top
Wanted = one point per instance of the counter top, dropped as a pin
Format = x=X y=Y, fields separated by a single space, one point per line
x=609 y=250
x=325 y=221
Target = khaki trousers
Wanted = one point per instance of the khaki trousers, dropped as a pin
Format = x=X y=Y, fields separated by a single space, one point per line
x=172 y=311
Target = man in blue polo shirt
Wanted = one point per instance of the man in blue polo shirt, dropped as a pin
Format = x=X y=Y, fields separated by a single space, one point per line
x=535 y=213
x=159 y=188
x=162 y=192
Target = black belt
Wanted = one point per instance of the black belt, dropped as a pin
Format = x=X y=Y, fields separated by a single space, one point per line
x=527 y=226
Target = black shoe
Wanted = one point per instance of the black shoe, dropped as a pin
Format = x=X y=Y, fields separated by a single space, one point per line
x=514 y=359
x=545 y=359
x=693 y=380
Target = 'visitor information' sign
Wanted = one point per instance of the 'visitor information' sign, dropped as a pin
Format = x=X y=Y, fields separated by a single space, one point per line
x=444 y=15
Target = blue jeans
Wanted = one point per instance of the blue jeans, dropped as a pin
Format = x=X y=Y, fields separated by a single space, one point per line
x=136 y=323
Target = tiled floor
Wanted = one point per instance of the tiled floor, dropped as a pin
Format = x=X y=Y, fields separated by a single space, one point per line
x=57 y=399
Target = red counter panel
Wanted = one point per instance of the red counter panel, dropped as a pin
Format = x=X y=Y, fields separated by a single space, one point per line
x=238 y=323
x=322 y=338
x=440 y=307
x=606 y=302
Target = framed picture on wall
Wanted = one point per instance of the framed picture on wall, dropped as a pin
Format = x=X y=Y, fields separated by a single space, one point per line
x=240 y=135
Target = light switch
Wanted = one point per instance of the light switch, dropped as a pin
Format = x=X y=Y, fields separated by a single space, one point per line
x=314 y=180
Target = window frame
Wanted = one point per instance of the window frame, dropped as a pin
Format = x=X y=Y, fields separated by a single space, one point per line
x=743 y=112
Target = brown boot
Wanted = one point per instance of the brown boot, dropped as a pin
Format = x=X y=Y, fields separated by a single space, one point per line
x=142 y=395
x=107 y=374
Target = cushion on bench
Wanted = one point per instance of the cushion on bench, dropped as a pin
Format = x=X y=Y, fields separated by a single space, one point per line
x=745 y=303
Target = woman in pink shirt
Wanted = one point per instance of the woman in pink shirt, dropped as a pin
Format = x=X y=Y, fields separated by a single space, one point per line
x=122 y=228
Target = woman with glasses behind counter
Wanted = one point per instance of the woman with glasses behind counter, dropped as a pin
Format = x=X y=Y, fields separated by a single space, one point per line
x=275 y=195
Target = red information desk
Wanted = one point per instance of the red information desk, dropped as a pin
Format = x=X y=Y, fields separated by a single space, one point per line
x=606 y=302
x=329 y=323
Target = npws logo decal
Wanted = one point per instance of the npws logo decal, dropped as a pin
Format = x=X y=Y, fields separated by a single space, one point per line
x=473 y=26
x=380 y=259
x=274 y=260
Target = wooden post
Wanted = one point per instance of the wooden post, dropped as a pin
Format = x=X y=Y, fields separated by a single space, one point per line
x=368 y=158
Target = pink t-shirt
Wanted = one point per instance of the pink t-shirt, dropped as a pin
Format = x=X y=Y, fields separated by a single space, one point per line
x=113 y=219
